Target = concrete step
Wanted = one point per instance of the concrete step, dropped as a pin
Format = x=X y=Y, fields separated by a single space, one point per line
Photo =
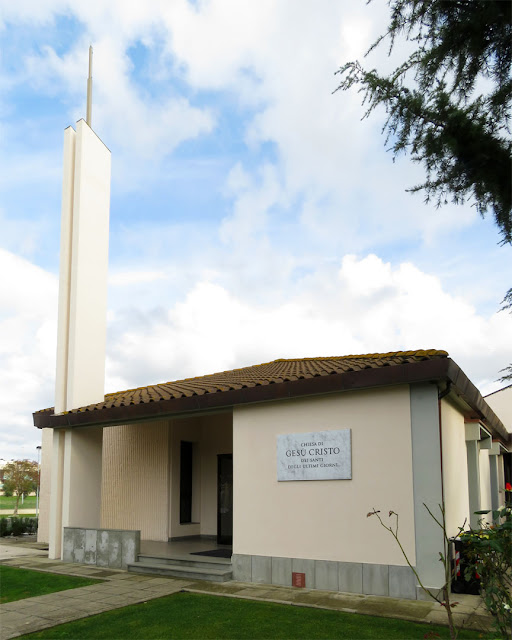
x=202 y=562
x=222 y=574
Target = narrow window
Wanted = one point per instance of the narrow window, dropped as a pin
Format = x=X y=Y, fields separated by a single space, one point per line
x=186 y=482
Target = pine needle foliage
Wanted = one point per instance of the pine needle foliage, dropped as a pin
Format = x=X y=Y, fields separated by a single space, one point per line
x=448 y=104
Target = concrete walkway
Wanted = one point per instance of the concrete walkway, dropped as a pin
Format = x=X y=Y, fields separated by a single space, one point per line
x=119 y=588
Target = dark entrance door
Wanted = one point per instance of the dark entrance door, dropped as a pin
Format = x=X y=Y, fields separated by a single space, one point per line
x=225 y=499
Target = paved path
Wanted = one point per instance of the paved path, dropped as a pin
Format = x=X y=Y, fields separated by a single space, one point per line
x=119 y=588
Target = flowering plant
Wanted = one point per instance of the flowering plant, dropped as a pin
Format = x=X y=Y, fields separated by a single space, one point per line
x=489 y=550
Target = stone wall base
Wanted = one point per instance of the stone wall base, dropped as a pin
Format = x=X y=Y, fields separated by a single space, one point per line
x=114 y=548
x=352 y=577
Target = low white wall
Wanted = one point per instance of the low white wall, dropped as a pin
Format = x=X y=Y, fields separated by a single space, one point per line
x=326 y=519
x=114 y=548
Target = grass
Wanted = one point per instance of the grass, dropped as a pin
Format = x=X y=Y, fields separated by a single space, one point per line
x=10 y=502
x=187 y=615
x=17 y=584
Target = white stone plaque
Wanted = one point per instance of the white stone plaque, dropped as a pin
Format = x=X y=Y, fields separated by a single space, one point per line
x=321 y=455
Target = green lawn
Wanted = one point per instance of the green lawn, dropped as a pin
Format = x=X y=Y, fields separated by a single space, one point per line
x=10 y=503
x=187 y=615
x=16 y=584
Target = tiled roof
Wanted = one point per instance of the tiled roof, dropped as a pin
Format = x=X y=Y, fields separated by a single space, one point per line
x=275 y=372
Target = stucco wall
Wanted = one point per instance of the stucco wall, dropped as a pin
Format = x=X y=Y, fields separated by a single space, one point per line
x=455 y=468
x=325 y=520
x=501 y=403
x=135 y=489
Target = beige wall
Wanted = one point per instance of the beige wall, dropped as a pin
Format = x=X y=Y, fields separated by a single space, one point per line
x=501 y=403
x=326 y=520
x=455 y=468
x=136 y=479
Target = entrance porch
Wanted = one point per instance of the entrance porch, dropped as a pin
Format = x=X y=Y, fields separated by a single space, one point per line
x=169 y=479
x=195 y=557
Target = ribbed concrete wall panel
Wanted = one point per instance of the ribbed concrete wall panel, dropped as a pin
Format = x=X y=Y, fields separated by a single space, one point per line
x=135 y=488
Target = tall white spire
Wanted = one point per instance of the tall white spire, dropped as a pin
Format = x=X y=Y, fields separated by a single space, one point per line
x=88 y=117
x=81 y=338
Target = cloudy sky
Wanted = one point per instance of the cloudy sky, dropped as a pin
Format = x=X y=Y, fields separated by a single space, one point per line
x=254 y=215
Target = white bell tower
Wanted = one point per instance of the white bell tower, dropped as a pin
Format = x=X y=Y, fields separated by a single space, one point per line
x=81 y=339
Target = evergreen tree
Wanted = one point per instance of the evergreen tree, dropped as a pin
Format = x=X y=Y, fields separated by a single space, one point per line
x=448 y=104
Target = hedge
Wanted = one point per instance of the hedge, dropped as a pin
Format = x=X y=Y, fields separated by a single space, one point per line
x=17 y=525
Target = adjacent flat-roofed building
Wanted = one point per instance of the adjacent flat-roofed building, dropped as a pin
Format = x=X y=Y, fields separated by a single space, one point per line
x=281 y=462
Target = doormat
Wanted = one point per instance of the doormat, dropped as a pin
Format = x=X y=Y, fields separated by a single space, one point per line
x=214 y=553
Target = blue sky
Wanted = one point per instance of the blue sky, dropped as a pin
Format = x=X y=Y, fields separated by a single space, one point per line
x=254 y=215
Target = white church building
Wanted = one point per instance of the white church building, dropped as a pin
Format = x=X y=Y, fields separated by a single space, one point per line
x=275 y=466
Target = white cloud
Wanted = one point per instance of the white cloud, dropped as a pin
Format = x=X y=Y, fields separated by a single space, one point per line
x=27 y=351
x=364 y=306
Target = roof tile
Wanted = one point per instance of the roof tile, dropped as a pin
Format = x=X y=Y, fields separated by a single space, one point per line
x=275 y=372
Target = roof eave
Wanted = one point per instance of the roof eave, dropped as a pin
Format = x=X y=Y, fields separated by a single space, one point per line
x=426 y=370
x=432 y=370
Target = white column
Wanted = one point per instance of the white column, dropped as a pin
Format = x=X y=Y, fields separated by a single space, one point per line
x=427 y=484
x=76 y=483
x=473 y=458
x=45 y=483
x=81 y=496
x=55 y=524
x=494 y=469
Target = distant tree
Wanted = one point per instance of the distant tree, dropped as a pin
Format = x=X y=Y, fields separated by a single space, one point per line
x=448 y=103
x=19 y=478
